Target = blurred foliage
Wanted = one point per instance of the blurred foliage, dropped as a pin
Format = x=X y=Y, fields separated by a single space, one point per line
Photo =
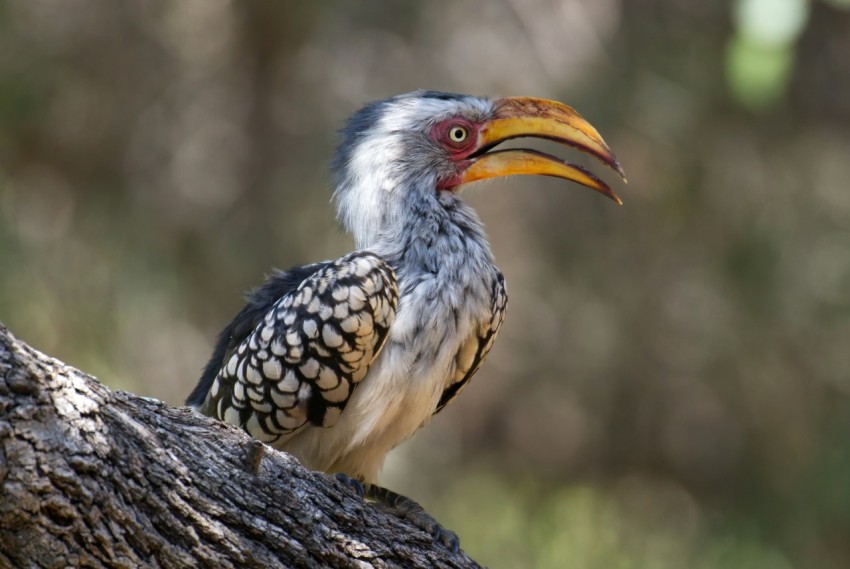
x=671 y=386
x=762 y=53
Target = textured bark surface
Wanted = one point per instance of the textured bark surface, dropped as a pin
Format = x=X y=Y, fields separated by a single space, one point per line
x=95 y=478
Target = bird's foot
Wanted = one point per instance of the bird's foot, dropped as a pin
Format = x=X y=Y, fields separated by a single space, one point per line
x=352 y=483
x=408 y=509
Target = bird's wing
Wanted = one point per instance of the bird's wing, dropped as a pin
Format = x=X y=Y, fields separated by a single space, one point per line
x=475 y=349
x=258 y=303
x=300 y=360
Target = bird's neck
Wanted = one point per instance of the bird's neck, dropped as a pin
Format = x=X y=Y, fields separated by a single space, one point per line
x=405 y=220
x=439 y=235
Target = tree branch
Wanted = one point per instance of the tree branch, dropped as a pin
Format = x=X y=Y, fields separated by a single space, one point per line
x=95 y=478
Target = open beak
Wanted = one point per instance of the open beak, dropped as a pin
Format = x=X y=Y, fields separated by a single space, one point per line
x=525 y=116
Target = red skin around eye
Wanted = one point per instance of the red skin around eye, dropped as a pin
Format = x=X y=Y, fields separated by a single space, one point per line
x=457 y=151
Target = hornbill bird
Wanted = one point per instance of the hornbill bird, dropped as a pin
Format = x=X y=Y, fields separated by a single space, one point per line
x=338 y=362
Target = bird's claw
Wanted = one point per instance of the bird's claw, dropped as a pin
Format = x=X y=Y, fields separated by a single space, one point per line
x=445 y=537
x=410 y=510
x=351 y=483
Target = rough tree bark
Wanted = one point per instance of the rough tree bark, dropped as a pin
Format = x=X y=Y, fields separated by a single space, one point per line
x=95 y=478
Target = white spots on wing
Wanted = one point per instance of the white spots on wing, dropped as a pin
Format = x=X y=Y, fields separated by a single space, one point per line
x=326 y=311
x=338 y=394
x=252 y=375
x=261 y=432
x=267 y=333
x=320 y=350
x=294 y=355
x=357 y=300
x=340 y=311
x=340 y=293
x=314 y=306
x=377 y=303
x=366 y=324
x=305 y=391
x=277 y=348
x=310 y=328
x=282 y=400
x=350 y=324
x=231 y=415
x=306 y=295
x=270 y=427
x=289 y=383
x=323 y=286
x=362 y=266
x=268 y=438
x=289 y=421
x=216 y=388
x=310 y=369
x=239 y=392
x=327 y=378
x=255 y=395
x=230 y=369
x=272 y=369
x=331 y=336
x=352 y=356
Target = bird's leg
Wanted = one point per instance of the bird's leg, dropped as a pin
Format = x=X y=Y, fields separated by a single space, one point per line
x=352 y=483
x=403 y=507
x=408 y=509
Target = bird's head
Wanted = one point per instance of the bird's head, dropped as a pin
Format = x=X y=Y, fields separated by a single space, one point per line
x=414 y=151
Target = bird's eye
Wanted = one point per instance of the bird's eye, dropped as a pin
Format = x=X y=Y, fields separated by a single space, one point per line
x=458 y=134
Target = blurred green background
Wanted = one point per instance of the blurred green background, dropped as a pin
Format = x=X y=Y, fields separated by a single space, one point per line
x=672 y=384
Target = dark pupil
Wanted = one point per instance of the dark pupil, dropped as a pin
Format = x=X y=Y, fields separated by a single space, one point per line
x=457 y=133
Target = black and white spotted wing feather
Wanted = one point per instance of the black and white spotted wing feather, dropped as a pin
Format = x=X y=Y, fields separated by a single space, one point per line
x=298 y=362
x=258 y=303
x=475 y=349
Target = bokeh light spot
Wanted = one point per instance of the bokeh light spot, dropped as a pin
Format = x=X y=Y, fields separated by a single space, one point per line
x=757 y=74
x=771 y=22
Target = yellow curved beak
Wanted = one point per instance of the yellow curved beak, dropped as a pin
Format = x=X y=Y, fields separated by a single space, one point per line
x=541 y=118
